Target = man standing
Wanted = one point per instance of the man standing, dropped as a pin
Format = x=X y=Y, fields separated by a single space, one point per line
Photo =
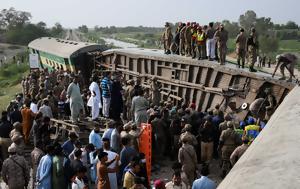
x=68 y=146
x=27 y=117
x=36 y=156
x=287 y=61
x=210 y=42
x=5 y=128
x=15 y=171
x=240 y=42
x=188 y=39
x=43 y=175
x=182 y=40
x=115 y=139
x=221 y=37
x=45 y=109
x=103 y=170
x=252 y=48
x=95 y=99
x=128 y=98
x=139 y=108
x=126 y=154
x=167 y=38
x=188 y=158
x=229 y=140
x=76 y=102
x=111 y=156
x=201 y=43
x=239 y=151
x=194 y=40
x=106 y=93
x=95 y=138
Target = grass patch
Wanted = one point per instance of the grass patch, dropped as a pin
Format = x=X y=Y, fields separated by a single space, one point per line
x=289 y=46
x=10 y=79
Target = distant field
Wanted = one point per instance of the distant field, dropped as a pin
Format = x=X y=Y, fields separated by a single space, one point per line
x=289 y=46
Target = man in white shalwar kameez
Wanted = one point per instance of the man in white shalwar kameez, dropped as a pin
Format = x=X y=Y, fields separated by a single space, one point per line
x=76 y=102
x=94 y=101
x=111 y=155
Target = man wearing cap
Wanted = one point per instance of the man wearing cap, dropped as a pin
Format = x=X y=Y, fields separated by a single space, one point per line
x=15 y=170
x=182 y=40
x=251 y=130
x=191 y=139
x=47 y=84
x=36 y=155
x=252 y=49
x=167 y=38
x=76 y=102
x=188 y=158
x=188 y=39
x=239 y=151
x=201 y=38
x=221 y=37
x=229 y=140
x=287 y=61
x=5 y=129
x=241 y=41
x=45 y=109
x=128 y=93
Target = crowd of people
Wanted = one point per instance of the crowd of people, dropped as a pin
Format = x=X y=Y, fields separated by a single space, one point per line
x=210 y=42
x=190 y=138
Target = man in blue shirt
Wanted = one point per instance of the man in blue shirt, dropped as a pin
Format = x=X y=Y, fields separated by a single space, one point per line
x=106 y=93
x=204 y=182
x=68 y=146
x=126 y=155
x=95 y=138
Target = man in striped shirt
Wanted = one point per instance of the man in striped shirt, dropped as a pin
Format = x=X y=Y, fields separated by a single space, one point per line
x=106 y=93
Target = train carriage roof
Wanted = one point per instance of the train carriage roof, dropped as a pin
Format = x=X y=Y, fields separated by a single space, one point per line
x=63 y=48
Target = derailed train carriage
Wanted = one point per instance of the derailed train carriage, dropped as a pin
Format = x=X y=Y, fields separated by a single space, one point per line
x=181 y=78
x=60 y=54
x=204 y=83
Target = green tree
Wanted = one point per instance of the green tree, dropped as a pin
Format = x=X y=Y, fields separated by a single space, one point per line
x=263 y=25
x=57 y=30
x=231 y=27
x=248 y=20
x=268 y=44
x=291 y=25
x=83 y=29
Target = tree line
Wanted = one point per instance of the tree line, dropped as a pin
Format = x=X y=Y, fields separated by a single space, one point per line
x=16 y=27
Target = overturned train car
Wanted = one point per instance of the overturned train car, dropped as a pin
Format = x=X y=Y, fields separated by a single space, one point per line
x=203 y=82
x=66 y=55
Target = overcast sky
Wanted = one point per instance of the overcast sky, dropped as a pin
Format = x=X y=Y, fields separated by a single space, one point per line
x=72 y=13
